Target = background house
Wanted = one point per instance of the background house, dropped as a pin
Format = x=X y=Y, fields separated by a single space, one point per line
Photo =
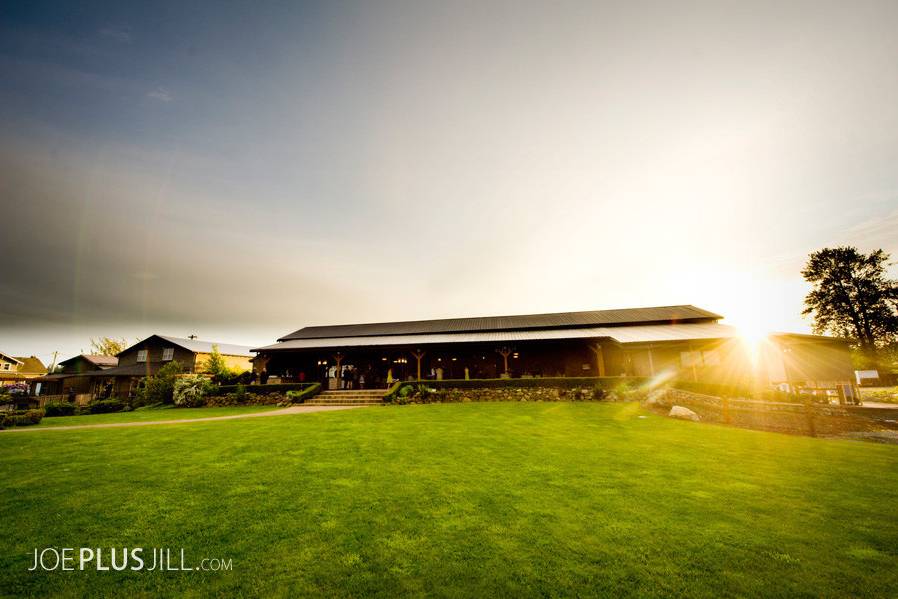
x=71 y=375
x=19 y=369
x=146 y=357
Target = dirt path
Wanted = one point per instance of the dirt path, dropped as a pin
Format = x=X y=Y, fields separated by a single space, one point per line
x=281 y=412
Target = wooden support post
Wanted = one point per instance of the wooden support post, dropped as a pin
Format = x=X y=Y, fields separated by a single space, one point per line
x=418 y=355
x=725 y=404
x=338 y=374
x=504 y=352
x=600 y=358
x=651 y=362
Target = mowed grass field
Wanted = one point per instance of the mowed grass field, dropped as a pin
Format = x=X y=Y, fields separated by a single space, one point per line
x=490 y=499
x=146 y=415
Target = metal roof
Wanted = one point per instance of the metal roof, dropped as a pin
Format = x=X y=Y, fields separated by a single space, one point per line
x=205 y=347
x=95 y=359
x=621 y=334
x=199 y=347
x=621 y=317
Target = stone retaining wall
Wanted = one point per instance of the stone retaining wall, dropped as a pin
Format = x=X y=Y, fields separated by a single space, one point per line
x=248 y=399
x=795 y=418
x=510 y=394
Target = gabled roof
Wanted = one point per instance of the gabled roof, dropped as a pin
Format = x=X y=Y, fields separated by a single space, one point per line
x=95 y=359
x=562 y=320
x=200 y=347
x=31 y=364
x=9 y=358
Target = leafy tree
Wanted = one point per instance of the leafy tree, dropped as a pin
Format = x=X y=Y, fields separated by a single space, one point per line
x=160 y=387
x=852 y=296
x=107 y=346
x=217 y=367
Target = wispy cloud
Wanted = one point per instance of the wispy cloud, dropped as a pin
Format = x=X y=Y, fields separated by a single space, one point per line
x=878 y=232
x=117 y=34
x=161 y=94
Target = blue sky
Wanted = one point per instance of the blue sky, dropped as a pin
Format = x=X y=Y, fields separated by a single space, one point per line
x=239 y=170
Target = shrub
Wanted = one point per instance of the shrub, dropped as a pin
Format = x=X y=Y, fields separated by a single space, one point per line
x=240 y=393
x=20 y=418
x=190 y=391
x=160 y=388
x=105 y=406
x=59 y=408
x=307 y=393
x=404 y=393
x=626 y=392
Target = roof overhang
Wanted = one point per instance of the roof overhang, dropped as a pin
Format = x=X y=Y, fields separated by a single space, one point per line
x=621 y=334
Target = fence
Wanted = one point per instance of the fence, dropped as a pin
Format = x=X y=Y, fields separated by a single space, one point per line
x=81 y=399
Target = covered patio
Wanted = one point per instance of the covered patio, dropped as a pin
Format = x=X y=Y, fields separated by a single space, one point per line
x=689 y=349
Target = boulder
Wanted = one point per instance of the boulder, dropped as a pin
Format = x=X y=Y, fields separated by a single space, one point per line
x=684 y=413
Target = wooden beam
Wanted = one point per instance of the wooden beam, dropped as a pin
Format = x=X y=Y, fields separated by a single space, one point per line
x=418 y=355
x=338 y=358
x=600 y=358
x=504 y=352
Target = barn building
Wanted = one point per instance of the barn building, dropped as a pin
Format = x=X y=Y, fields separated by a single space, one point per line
x=682 y=341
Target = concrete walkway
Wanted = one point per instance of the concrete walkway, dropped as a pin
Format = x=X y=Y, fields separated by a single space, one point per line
x=281 y=412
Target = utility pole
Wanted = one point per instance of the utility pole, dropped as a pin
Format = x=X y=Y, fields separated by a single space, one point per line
x=53 y=365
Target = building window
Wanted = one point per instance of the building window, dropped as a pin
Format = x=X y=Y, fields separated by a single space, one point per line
x=6 y=366
x=168 y=354
x=142 y=355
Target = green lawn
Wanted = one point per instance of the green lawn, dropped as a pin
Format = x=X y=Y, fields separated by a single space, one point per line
x=151 y=414
x=507 y=499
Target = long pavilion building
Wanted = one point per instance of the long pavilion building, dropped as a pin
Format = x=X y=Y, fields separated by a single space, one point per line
x=682 y=341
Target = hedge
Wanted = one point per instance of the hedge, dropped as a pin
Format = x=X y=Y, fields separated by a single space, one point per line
x=261 y=389
x=59 y=408
x=307 y=393
x=20 y=418
x=563 y=382
x=105 y=406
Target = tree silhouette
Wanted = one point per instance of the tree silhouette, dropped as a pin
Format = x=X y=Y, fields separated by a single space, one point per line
x=852 y=297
